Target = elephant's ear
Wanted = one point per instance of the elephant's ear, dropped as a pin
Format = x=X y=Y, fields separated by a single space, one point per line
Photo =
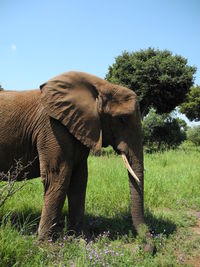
x=74 y=104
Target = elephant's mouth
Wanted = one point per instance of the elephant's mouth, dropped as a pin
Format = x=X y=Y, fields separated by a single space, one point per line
x=128 y=167
x=117 y=151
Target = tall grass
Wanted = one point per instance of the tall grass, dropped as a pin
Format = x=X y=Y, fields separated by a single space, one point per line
x=172 y=206
x=172 y=179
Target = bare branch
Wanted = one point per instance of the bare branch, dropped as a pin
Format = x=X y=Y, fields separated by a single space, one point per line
x=8 y=185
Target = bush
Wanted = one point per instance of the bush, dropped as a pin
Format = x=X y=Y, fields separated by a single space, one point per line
x=108 y=151
x=191 y=106
x=161 y=132
x=193 y=135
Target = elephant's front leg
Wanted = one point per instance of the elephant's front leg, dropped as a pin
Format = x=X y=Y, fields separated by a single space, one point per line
x=76 y=197
x=56 y=182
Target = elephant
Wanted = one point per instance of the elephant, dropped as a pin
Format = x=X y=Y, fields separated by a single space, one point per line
x=58 y=125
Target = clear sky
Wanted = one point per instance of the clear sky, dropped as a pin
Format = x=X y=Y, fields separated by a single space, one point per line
x=42 y=38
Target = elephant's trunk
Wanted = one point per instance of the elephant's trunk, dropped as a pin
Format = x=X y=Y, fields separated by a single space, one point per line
x=136 y=190
x=135 y=159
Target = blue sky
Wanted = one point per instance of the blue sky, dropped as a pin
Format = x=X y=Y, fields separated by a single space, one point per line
x=40 y=38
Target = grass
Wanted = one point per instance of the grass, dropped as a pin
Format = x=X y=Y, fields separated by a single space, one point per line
x=172 y=210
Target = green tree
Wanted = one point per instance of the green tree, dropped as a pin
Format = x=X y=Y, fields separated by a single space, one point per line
x=162 y=132
x=191 y=106
x=193 y=135
x=160 y=79
x=1 y=88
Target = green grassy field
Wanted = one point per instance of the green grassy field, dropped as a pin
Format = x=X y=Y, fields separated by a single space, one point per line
x=172 y=210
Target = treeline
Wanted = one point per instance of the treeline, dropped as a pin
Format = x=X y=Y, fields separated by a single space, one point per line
x=163 y=132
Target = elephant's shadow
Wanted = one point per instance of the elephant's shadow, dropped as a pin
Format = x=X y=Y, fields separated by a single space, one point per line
x=122 y=225
x=27 y=223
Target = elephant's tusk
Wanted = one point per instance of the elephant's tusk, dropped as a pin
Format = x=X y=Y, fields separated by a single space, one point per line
x=128 y=167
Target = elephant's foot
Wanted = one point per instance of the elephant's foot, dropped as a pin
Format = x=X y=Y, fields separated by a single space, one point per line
x=75 y=229
x=146 y=239
x=149 y=246
x=47 y=232
x=49 y=235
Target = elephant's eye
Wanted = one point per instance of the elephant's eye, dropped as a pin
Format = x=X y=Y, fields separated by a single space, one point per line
x=123 y=120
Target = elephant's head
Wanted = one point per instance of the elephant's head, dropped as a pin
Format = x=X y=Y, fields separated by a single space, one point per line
x=98 y=114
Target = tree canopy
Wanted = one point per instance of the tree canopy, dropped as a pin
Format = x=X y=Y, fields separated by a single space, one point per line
x=1 y=88
x=161 y=80
x=191 y=106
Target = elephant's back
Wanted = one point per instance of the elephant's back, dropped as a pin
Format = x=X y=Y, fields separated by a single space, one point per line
x=15 y=99
x=16 y=112
x=15 y=109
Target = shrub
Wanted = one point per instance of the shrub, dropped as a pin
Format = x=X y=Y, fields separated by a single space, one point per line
x=193 y=135
x=161 y=132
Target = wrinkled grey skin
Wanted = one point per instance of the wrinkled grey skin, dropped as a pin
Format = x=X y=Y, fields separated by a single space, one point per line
x=59 y=124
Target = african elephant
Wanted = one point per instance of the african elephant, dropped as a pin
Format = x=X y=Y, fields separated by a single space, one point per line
x=70 y=115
